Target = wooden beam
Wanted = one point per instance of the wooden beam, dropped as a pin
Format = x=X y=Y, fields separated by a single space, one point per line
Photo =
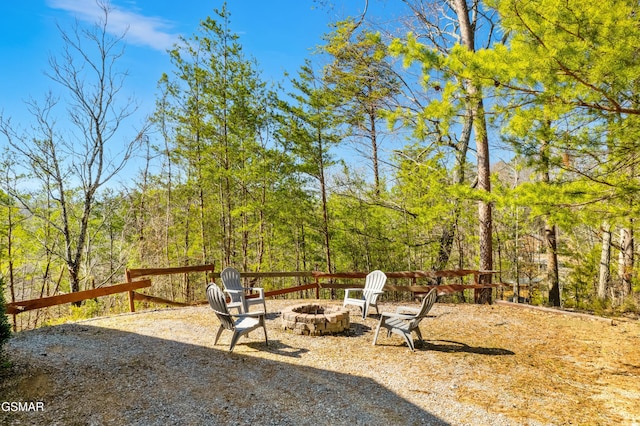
x=43 y=302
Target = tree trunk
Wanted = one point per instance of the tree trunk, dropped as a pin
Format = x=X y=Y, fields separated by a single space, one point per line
x=482 y=146
x=625 y=262
x=261 y=231
x=447 y=237
x=201 y=197
x=325 y=209
x=374 y=150
x=185 y=254
x=445 y=246
x=605 y=261
x=550 y=237
x=245 y=232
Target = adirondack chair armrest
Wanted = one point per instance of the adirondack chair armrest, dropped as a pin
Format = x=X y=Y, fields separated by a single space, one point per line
x=224 y=314
x=258 y=289
x=401 y=309
x=397 y=315
x=354 y=290
x=256 y=314
x=226 y=290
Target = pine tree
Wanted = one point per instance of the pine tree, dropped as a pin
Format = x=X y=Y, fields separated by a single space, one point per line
x=311 y=127
x=215 y=111
x=365 y=83
x=566 y=77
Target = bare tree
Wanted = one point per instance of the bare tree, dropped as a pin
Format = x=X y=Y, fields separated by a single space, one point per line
x=70 y=165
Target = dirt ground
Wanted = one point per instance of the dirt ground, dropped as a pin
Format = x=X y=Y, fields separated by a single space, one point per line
x=479 y=365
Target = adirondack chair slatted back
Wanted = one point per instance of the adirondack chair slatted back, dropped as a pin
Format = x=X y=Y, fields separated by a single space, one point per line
x=218 y=303
x=427 y=303
x=373 y=284
x=367 y=296
x=231 y=281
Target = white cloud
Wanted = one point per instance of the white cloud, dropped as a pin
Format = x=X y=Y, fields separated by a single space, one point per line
x=140 y=29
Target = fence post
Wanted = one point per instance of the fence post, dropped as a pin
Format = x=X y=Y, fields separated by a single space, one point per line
x=132 y=306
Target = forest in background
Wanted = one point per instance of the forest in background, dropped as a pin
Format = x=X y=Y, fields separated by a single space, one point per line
x=493 y=135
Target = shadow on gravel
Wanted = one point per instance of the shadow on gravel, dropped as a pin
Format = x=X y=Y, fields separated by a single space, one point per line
x=101 y=376
x=451 y=346
x=277 y=347
x=357 y=329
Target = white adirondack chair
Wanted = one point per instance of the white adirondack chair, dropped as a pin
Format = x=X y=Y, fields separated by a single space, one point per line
x=237 y=293
x=403 y=324
x=239 y=324
x=373 y=286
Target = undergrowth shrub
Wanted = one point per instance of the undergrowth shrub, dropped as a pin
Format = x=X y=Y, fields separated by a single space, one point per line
x=629 y=305
x=89 y=309
x=5 y=326
x=601 y=307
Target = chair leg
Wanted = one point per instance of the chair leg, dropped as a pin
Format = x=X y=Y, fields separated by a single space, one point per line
x=419 y=334
x=266 y=341
x=375 y=338
x=409 y=339
x=234 y=340
x=218 y=334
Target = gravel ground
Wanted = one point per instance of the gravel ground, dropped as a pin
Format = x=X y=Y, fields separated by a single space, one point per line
x=480 y=365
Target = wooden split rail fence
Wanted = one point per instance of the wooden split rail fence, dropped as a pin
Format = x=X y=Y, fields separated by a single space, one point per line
x=60 y=299
x=320 y=280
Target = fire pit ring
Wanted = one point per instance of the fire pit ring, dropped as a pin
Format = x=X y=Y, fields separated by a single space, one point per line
x=315 y=320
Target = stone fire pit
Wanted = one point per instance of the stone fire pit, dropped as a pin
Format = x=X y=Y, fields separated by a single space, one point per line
x=315 y=320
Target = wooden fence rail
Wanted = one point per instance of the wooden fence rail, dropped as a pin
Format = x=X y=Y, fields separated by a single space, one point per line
x=414 y=275
x=44 y=302
x=320 y=280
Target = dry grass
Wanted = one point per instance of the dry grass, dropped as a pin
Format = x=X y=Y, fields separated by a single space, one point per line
x=563 y=370
x=518 y=365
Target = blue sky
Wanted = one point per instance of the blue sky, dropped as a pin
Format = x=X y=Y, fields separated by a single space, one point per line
x=280 y=34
